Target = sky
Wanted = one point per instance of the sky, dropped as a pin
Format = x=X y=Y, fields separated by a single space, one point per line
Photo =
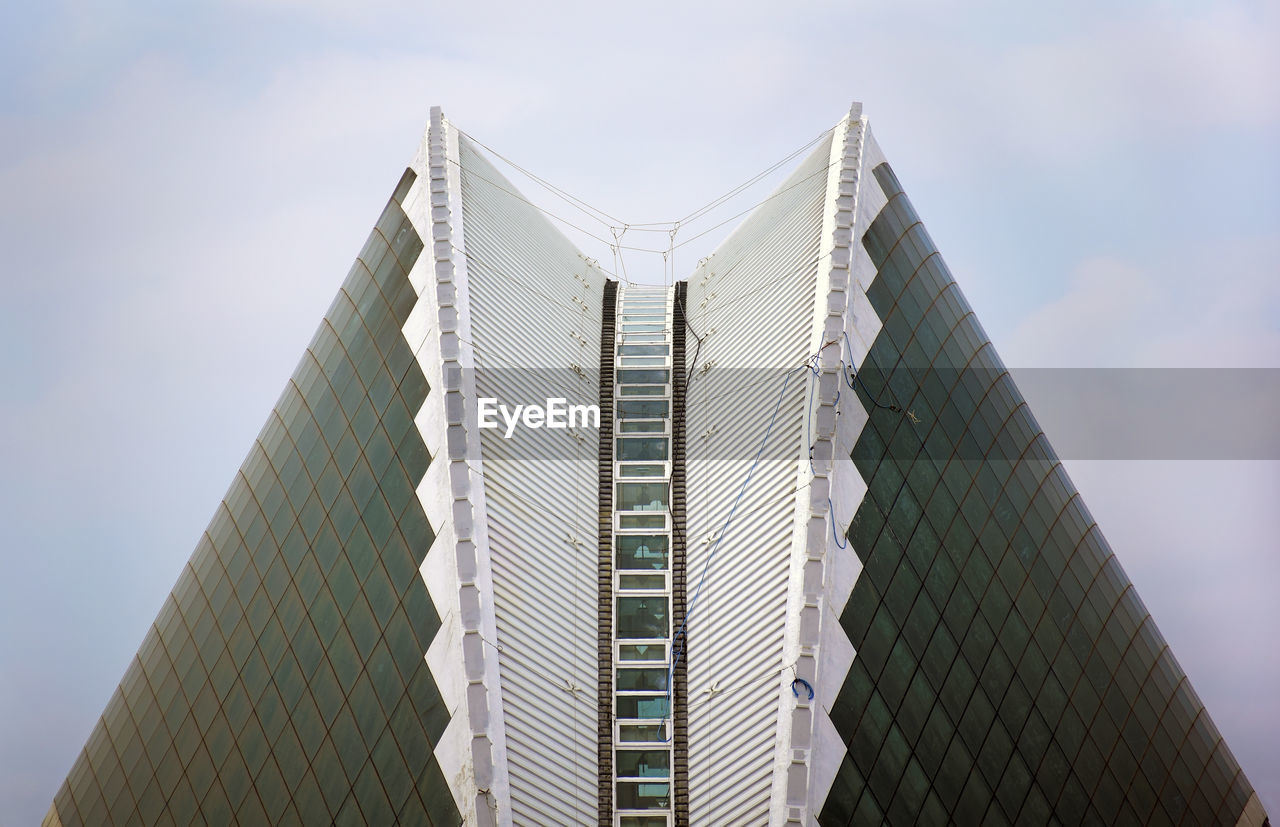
x=183 y=187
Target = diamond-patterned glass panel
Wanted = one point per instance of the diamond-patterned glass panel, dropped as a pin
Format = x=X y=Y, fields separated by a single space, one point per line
x=284 y=680
x=1006 y=672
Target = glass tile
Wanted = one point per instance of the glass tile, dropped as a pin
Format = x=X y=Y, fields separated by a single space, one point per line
x=643 y=821
x=642 y=706
x=643 y=617
x=642 y=652
x=650 y=763
x=644 y=350
x=641 y=551
x=632 y=376
x=627 y=426
x=643 y=796
x=632 y=582
x=628 y=521
x=643 y=409
x=641 y=496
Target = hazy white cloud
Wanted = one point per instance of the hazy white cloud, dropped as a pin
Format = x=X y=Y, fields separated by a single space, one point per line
x=1147 y=78
x=1202 y=305
x=1108 y=309
x=179 y=207
x=1198 y=541
x=1031 y=87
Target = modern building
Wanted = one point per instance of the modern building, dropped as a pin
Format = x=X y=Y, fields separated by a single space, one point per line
x=777 y=544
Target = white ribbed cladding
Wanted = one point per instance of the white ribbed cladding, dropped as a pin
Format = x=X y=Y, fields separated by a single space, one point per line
x=535 y=309
x=753 y=302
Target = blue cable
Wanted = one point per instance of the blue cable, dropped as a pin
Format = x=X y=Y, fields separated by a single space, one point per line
x=677 y=645
x=852 y=383
x=831 y=509
x=808 y=437
x=677 y=641
x=808 y=418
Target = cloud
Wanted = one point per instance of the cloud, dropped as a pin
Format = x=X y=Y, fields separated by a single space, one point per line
x=1061 y=88
x=1216 y=304
x=1198 y=541
x=1147 y=77
x=183 y=193
x=1098 y=321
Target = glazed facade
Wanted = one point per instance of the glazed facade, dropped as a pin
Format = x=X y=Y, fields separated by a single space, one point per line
x=284 y=681
x=819 y=565
x=1006 y=671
